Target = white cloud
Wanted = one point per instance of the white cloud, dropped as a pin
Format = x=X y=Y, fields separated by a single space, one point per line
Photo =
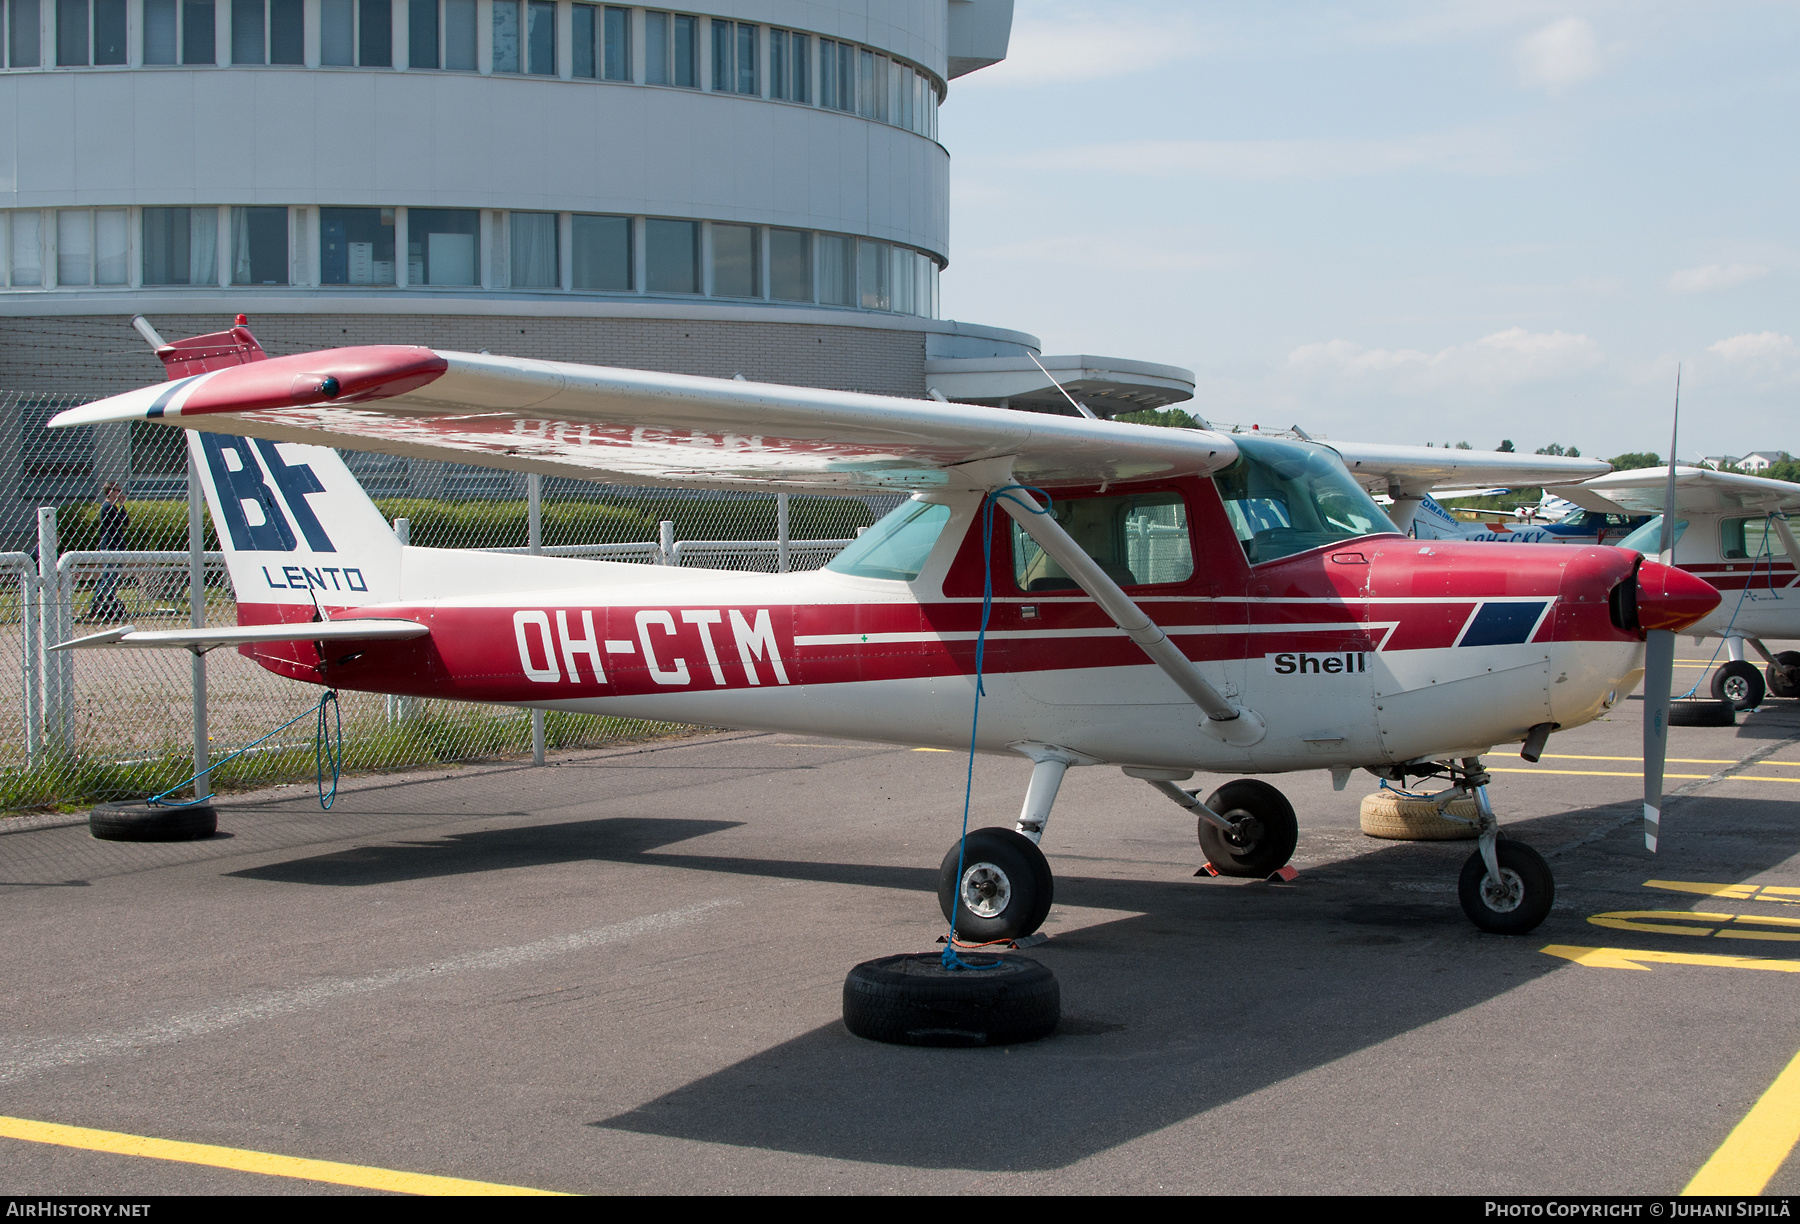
x=1265 y=161
x=1058 y=44
x=1562 y=54
x=1754 y=346
x=1503 y=358
x=1715 y=276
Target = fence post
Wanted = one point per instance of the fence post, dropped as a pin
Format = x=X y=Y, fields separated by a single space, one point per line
x=197 y=618
x=50 y=624
x=399 y=709
x=30 y=617
x=665 y=536
x=782 y=560
x=534 y=543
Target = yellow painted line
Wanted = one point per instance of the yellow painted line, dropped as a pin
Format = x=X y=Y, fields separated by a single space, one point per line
x=1731 y=892
x=1551 y=756
x=1634 y=920
x=931 y=750
x=1606 y=773
x=1628 y=958
x=1759 y=1145
x=244 y=1161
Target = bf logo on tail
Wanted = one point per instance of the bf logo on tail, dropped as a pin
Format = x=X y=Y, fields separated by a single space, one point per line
x=239 y=480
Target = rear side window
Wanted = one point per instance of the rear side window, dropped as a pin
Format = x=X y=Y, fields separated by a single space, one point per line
x=1139 y=540
x=897 y=546
x=1745 y=539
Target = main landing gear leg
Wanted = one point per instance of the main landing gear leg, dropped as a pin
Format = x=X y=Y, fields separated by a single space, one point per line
x=1506 y=887
x=996 y=884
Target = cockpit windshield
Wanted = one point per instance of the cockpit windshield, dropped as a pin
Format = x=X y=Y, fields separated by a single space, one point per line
x=1287 y=497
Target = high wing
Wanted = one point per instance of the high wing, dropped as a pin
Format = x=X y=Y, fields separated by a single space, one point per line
x=364 y=629
x=1409 y=471
x=640 y=427
x=1697 y=490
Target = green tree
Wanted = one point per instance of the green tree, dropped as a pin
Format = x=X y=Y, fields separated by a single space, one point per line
x=1464 y=446
x=1505 y=447
x=1631 y=461
x=1555 y=448
x=1174 y=418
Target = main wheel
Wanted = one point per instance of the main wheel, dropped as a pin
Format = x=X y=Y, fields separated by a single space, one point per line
x=1004 y=890
x=1516 y=902
x=1264 y=829
x=141 y=822
x=1740 y=684
x=1778 y=685
x=914 y=1000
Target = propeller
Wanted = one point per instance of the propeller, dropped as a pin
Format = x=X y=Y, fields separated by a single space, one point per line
x=1659 y=659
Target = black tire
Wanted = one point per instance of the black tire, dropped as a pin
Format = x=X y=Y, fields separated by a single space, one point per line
x=1778 y=685
x=141 y=822
x=1740 y=684
x=1531 y=890
x=1009 y=884
x=1268 y=830
x=914 y=1000
x=1702 y=714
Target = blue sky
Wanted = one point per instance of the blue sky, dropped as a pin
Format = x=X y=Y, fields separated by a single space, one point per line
x=1403 y=222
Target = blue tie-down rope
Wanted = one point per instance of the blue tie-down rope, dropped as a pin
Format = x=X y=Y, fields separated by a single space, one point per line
x=328 y=749
x=950 y=959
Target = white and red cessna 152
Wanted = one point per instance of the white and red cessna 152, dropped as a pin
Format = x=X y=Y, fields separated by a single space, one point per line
x=1191 y=602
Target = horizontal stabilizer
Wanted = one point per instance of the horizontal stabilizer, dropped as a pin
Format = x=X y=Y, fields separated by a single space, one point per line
x=366 y=629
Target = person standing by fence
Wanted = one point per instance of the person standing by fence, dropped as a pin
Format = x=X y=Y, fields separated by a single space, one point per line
x=115 y=520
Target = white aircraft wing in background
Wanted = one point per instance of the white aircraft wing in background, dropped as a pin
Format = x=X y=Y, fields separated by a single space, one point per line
x=1697 y=491
x=1409 y=471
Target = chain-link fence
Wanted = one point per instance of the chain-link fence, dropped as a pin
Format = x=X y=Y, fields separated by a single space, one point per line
x=86 y=725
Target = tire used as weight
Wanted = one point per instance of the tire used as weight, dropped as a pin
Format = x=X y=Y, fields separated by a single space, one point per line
x=141 y=822
x=1396 y=818
x=1702 y=714
x=913 y=1000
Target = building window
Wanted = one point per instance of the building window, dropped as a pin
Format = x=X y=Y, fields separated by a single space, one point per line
x=359 y=32
x=790 y=66
x=536 y=261
x=356 y=246
x=441 y=34
x=673 y=256
x=90 y=247
x=89 y=32
x=837 y=271
x=584 y=39
x=27 y=249
x=837 y=75
x=443 y=246
x=180 y=31
x=875 y=291
x=181 y=246
x=422 y=34
x=790 y=265
x=734 y=57
x=506 y=35
x=268 y=32
x=259 y=246
x=671 y=49
x=24 y=36
x=540 y=37
x=618 y=43
x=602 y=252
x=734 y=261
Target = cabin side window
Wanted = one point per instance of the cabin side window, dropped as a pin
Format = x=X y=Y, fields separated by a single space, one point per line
x=1746 y=539
x=1139 y=540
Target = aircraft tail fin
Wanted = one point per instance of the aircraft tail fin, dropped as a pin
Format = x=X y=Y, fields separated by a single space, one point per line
x=295 y=525
x=213 y=351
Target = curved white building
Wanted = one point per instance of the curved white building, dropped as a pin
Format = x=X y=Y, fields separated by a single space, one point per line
x=755 y=187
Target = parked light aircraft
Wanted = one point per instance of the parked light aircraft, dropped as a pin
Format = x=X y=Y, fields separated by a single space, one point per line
x=1189 y=602
x=1733 y=531
x=1433 y=521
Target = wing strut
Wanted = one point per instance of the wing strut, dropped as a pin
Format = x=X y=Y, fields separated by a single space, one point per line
x=1224 y=721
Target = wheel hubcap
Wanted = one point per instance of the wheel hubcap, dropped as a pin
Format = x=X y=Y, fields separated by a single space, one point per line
x=1505 y=894
x=986 y=891
x=1246 y=830
x=1736 y=688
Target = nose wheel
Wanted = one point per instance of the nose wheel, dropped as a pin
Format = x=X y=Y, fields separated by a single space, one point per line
x=1516 y=900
